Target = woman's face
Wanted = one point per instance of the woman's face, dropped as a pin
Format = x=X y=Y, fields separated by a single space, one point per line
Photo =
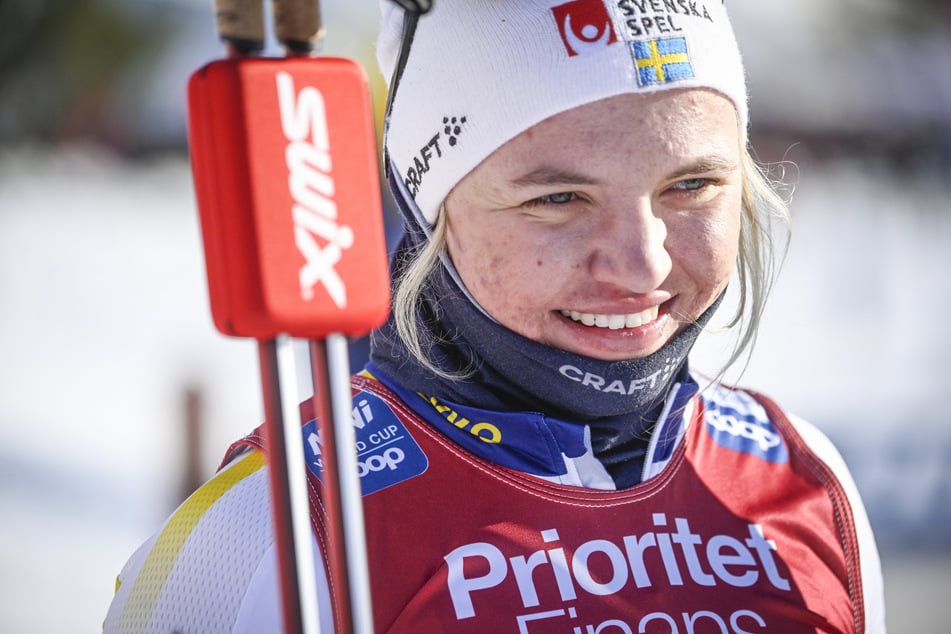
x=606 y=228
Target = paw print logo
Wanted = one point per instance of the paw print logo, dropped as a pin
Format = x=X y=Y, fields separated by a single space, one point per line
x=452 y=127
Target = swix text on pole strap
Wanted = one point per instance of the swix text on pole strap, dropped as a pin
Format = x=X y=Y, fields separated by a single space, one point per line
x=309 y=165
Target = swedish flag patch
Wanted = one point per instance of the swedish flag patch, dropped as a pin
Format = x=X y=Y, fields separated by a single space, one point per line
x=662 y=61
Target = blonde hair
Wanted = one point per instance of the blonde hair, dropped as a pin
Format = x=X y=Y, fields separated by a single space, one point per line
x=758 y=262
x=760 y=257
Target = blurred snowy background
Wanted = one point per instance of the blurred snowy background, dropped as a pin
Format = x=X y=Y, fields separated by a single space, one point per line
x=106 y=343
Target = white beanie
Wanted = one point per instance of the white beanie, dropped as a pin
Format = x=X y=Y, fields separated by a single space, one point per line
x=480 y=72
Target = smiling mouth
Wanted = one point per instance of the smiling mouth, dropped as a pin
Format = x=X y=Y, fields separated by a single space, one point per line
x=613 y=322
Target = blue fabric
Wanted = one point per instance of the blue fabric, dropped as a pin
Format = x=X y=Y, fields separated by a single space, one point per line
x=525 y=441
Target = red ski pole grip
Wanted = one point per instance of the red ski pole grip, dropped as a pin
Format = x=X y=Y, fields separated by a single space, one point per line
x=284 y=162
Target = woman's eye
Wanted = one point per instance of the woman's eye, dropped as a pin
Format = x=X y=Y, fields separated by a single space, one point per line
x=557 y=199
x=691 y=184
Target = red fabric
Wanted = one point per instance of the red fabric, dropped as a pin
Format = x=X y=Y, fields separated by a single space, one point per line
x=721 y=541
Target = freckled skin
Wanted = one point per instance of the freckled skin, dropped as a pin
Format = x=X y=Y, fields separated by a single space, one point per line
x=630 y=202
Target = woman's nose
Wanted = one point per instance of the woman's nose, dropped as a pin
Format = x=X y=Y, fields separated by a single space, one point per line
x=628 y=248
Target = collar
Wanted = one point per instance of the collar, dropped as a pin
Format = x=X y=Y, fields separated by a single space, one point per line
x=544 y=446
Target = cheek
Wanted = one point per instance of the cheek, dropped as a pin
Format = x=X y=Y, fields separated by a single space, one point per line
x=487 y=261
x=707 y=250
x=724 y=239
x=511 y=275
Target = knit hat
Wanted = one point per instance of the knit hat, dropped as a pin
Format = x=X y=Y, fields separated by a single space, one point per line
x=480 y=72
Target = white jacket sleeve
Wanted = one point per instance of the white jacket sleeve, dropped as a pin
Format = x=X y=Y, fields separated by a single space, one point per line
x=212 y=567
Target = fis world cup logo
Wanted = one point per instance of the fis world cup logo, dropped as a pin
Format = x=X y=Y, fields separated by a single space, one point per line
x=584 y=25
x=387 y=454
x=304 y=123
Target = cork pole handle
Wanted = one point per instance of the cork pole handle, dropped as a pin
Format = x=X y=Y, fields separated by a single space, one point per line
x=298 y=25
x=241 y=25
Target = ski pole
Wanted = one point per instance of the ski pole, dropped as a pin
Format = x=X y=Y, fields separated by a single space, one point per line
x=288 y=487
x=298 y=27
x=348 y=555
x=284 y=163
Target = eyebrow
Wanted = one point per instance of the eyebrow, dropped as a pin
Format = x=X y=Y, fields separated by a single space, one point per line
x=552 y=176
x=704 y=164
x=546 y=175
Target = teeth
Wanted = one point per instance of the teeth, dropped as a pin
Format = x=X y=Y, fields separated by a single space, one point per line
x=613 y=322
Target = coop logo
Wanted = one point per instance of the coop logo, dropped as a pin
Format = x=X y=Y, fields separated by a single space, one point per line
x=584 y=26
x=745 y=433
x=386 y=452
x=304 y=123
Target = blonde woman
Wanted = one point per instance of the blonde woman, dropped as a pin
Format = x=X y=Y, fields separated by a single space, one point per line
x=536 y=453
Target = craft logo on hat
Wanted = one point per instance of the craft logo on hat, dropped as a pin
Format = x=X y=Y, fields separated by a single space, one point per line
x=661 y=61
x=584 y=26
